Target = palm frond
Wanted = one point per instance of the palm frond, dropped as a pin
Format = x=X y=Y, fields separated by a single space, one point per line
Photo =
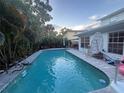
x=2 y=38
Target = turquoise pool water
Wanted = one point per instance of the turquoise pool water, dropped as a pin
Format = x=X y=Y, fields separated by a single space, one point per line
x=58 y=72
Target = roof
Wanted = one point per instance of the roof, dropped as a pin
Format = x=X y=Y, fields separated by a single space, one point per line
x=118 y=26
x=112 y=14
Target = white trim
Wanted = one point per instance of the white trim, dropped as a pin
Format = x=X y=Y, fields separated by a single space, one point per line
x=123 y=48
x=112 y=14
x=79 y=43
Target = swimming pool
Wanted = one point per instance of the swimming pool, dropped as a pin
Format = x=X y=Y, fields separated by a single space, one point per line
x=57 y=71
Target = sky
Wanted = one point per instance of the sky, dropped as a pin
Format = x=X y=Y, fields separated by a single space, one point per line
x=76 y=14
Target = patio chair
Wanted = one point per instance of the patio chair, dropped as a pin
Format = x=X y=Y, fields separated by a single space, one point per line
x=109 y=60
x=98 y=55
x=2 y=71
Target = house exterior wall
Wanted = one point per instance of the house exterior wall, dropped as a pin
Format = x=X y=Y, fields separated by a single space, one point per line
x=105 y=37
x=91 y=38
x=84 y=50
x=107 y=21
x=105 y=42
x=113 y=18
x=71 y=35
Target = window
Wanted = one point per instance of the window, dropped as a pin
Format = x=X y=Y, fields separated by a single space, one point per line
x=85 y=42
x=116 y=42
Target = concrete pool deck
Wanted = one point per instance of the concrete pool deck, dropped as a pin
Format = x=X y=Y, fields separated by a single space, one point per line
x=109 y=70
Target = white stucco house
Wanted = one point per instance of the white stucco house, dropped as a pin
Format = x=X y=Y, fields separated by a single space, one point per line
x=71 y=35
x=111 y=34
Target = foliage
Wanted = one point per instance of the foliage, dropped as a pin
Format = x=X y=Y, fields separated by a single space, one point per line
x=2 y=38
x=23 y=30
x=50 y=38
x=21 y=25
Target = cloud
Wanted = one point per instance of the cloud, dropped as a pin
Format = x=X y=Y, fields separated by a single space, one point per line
x=78 y=27
x=92 y=25
x=93 y=17
x=58 y=28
